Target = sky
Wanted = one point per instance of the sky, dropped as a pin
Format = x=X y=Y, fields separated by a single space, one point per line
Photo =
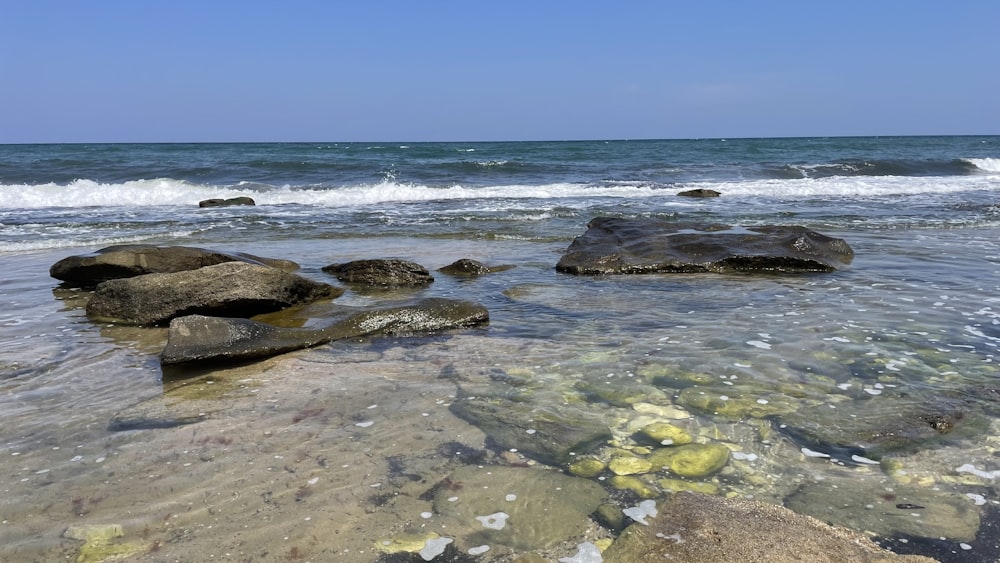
x=440 y=70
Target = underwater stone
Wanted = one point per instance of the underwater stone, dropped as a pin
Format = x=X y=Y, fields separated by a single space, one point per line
x=680 y=485
x=549 y=507
x=629 y=465
x=587 y=467
x=691 y=460
x=634 y=484
x=664 y=434
x=886 y=508
x=548 y=433
x=736 y=402
x=406 y=543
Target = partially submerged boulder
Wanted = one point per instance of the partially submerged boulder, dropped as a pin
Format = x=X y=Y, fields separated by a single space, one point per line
x=200 y=338
x=638 y=246
x=226 y=202
x=235 y=289
x=699 y=192
x=469 y=267
x=129 y=260
x=389 y=272
x=698 y=528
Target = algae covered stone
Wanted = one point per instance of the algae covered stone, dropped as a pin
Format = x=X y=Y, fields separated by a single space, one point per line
x=587 y=467
x=406 y=543
x=629 y=465
x=664 y=433
x=736 y=403
x=634 y=484
x=691 y=460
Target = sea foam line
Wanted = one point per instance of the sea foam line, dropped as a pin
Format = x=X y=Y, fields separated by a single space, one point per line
x=166 y=191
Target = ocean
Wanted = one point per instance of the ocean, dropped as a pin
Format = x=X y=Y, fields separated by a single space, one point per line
x=281 y=468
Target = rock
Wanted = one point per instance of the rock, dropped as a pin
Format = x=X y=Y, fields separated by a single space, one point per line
x=219 y=202
x=697 y=528
x=884 y=507
x=641 y=488
x=638 y=246
x=467 y=267
x=99 y=543
x=200 y=338
x=549 y=433
x=629 y=465
x=880 y=425
x=738 y=402
x=587 y=467
x=381 y=273
x=235 y=289
x=691 y=460
x=126 y=261
x=663 y=434
x=522 y=508
x=699 y=192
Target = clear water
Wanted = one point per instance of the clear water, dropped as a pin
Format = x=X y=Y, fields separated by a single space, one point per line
x=916 y=318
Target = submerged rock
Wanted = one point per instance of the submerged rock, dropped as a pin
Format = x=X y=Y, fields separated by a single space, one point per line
x=201 y=338
x=691 y=460
x=886 y=508
x=522 y=508
x=235 y=289
x=886 y=424
x=129 y=260
x=697 y=528
x=468 y=267
x=390 y=272
x=636 y=246
x=549 y=433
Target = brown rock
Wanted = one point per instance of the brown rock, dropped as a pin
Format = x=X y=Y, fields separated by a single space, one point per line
x=697 y=528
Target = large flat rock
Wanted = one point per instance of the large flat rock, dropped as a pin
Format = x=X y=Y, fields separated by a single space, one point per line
x=639 y=246
x=129 y=260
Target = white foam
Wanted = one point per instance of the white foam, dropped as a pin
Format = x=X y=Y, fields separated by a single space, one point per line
x=969 y=468
x=987 y=164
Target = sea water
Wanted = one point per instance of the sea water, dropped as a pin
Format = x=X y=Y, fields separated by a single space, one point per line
x=291 y=461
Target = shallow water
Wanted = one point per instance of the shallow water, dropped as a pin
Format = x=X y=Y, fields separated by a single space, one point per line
x=330 y=453
x=281 y=468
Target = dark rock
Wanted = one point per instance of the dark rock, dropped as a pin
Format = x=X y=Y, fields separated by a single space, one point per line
x=199 y=338
x=129 y=260
x=699 y=192
x=236 y=289
x=636 y=246
x=468 y=267
x=697 y=528
x=381 y=273
x=219 y=202
x=545 y=432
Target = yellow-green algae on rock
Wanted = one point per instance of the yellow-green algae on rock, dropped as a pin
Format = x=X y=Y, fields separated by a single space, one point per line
x=629 y=465
x=691 y=460
x=97 y=543
x=634 y=484
x=737 y=402
x=587 y=467
x=665 y=434
x=406 y=543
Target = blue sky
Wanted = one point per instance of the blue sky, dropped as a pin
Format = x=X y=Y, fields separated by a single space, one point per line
x=219 y=70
